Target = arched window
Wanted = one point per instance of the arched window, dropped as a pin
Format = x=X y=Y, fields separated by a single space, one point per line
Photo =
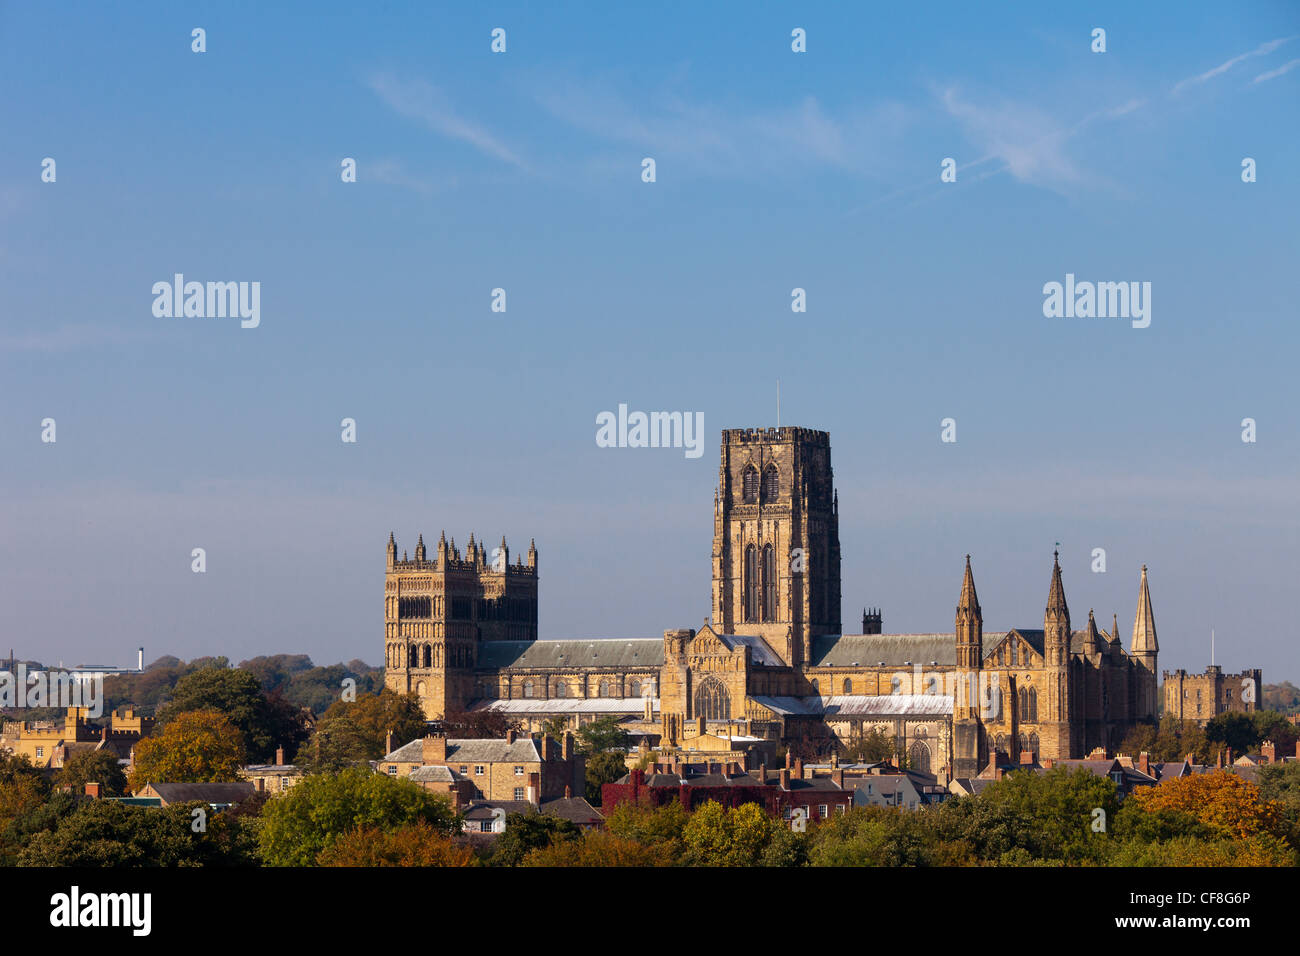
x=848 y=686
x=1024 y=745
x=413 y=656
x=712 y=700
x=428 y=655
x=1033 y=745
x=1033 y=706
x=751 y=583
x=771 y=484
x=1015 y=654
x=1000 y=744
x=769 y=583
x=919 y=756
x=561 y=689
x=634 y=688
x=1023 y=703
x=604 y=688
x=528 y=688
x=749 y=485
x=419 y=689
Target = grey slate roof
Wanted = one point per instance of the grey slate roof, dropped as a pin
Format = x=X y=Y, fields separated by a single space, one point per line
x=565 y=705
x=887 y=705
x=759 y=651
x=559 y=655
x=868 y=650
x=434 y=774
x=205 y=792
x=489 y=750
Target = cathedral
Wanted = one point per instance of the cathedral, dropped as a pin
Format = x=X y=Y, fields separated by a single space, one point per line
x=772 y=663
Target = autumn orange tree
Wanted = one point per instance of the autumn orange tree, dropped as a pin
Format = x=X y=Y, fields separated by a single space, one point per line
x=597 y=848
x=1222 y=801
x=200 y=746
x=417 y=844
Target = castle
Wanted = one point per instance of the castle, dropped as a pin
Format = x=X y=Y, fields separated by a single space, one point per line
x=772 y=664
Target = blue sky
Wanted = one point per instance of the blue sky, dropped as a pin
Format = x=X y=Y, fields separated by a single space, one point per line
x=522 y=171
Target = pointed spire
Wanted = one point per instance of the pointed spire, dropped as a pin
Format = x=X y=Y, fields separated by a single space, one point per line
x=1092 y=637
x=1056 y=595
x=969 y=602
x=1144 y=624
x=419 y=548
x=1114 y=629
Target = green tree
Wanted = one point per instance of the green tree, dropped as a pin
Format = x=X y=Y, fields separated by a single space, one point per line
x=603 y=735
x=656 y=827
x=716 y=836
x=875 y=746
x=1234 y=729
x=264 y=722
x=357 y=731
x=526 y=832
x=92 y=766
x=105 y=833
x=199 y=746
x=603 y=768
x=299 y=824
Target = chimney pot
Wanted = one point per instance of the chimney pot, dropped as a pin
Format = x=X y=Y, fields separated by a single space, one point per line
x=279 y=756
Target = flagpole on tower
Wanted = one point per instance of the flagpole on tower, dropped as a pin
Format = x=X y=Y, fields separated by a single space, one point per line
x=778 y=403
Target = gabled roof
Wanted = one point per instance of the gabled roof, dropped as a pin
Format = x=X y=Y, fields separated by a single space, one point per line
x=602 y=652
x=435 y=773
x=203 y=792
x=856 y=705
x=489 y=750
x=565 y=705
x=759 y=651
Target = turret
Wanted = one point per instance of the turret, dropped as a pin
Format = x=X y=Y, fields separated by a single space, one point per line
x=503 y=556
x=392 y=551
x=1056 y=620
x=967 y=736
x=1092 y=645
x=1054 y=696
x=442 y=547
x=532 y=554
x=419 y=549
x=1144 y=650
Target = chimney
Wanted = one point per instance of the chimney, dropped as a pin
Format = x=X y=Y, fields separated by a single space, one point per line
x=388 y=743
x=785 y=779
x=511 y=736
x=798 y=768
x=838 y=776
x=1026 y=758
x=279 y=756
x=568 y=792
x=1297 y=750
x=1144 y=763
x=534 y=788
x=1229 y=763
x=567 y=751
x=103 y=733
x=789 y=760
x=762 y=774
x=433 y=750
x=700 y=726
x=1218 y=760
x=1268 y=750
x=545 y=748
x=92 y=790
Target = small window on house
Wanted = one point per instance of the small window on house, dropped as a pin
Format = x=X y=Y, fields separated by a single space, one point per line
x=392 y=769
x=840 y=808
x=485 y=826
x=519 y=793
x=823 y=811
x=40 y=751
x=519 y=771
x=464 y=769
x=478 y=770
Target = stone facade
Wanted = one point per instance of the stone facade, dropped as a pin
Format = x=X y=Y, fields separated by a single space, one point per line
x=1201 y=697
x=773 y=664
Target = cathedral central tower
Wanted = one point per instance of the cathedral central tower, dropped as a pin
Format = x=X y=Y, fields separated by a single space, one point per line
x=776 y=539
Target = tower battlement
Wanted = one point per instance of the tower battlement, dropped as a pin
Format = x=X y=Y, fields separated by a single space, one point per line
x=783 y=433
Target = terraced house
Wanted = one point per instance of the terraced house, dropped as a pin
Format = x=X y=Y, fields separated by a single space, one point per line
x=772 y=662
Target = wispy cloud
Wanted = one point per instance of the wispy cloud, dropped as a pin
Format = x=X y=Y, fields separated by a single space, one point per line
x=66 y=338
x=390 y=172
x=1272 y=74
x=714 y=139
x=1029 y=142
x=425 y=103
x=1262 y=50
